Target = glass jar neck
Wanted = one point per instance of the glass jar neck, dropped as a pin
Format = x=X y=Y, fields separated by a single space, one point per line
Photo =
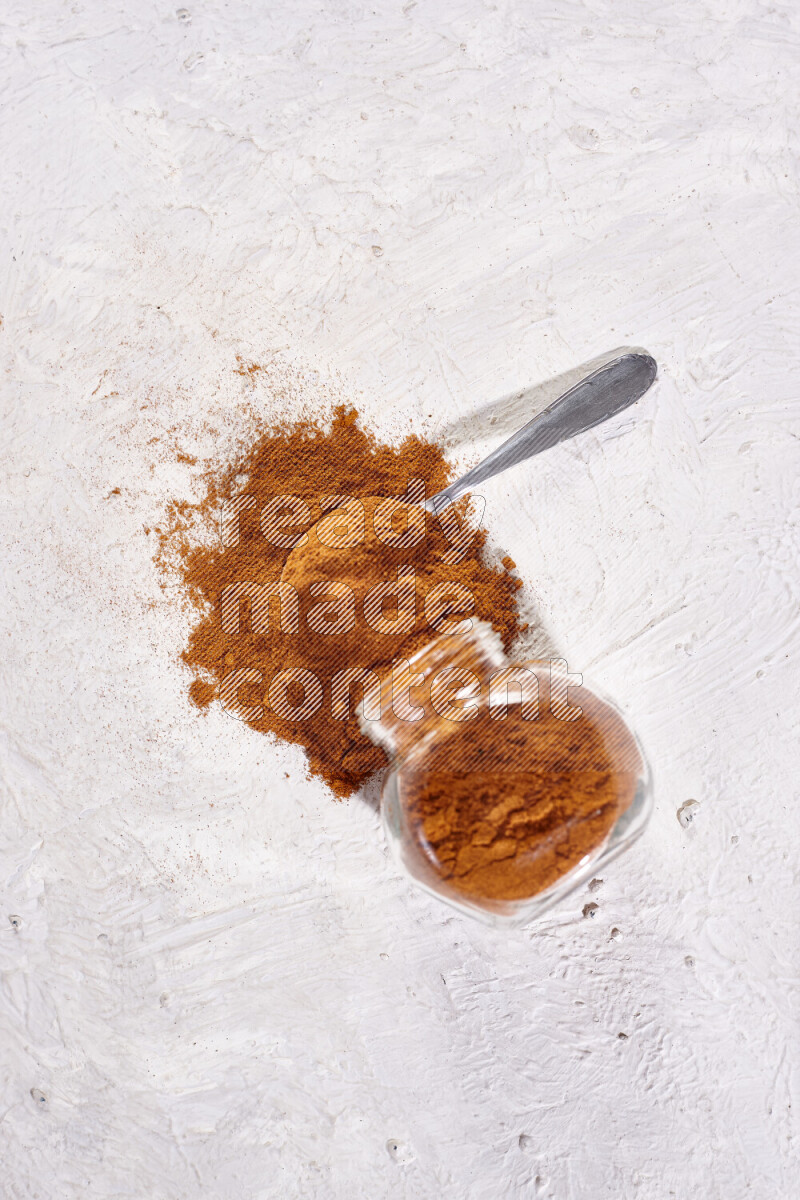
x=413 y=700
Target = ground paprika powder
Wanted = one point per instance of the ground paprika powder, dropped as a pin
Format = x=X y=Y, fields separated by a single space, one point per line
x=311 y=461
x=327 y=574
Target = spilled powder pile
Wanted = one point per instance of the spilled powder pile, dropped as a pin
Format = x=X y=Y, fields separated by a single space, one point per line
x=335 y=478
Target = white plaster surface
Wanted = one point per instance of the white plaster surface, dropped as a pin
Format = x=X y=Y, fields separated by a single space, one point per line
x=216 y=984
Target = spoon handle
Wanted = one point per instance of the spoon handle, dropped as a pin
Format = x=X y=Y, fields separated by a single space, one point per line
x=603 y=394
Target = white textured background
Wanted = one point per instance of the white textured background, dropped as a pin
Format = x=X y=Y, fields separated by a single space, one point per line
x=215 y=984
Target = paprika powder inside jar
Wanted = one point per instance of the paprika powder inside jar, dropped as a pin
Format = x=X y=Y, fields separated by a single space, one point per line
x=509 y=785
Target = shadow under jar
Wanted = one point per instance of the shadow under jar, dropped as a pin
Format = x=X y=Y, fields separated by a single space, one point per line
x=509 y=786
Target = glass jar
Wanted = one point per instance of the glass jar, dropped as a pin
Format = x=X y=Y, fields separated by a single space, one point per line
x=509 y=785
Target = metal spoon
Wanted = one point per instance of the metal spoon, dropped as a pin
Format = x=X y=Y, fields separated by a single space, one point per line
x=602 y=394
